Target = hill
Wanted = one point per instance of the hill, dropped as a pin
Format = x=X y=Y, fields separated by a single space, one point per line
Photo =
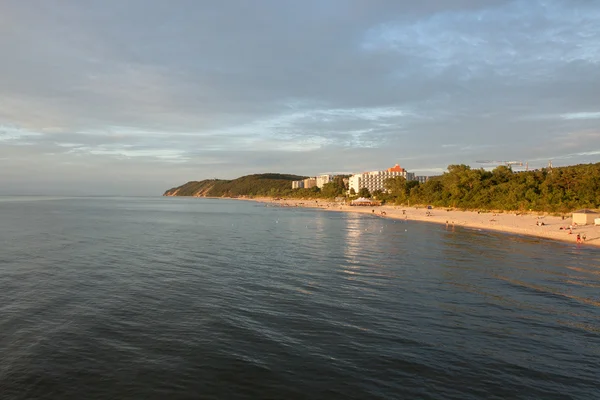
x=250 y=185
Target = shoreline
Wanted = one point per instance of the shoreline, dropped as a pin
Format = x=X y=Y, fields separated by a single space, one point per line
x=509 y=222
x=506 y=222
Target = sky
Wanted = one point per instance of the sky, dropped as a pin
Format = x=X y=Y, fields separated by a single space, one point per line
x=135 y=97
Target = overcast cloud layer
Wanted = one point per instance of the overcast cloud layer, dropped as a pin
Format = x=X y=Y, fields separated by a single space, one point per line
x=137 y=96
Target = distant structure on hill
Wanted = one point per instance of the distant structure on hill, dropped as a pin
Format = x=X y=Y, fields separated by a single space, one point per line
x=310 y=183
x=297 y=184
x=323 y=179
x=318 y=181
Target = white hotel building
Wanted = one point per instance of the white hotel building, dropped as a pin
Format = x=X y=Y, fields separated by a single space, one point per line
x=375 y=180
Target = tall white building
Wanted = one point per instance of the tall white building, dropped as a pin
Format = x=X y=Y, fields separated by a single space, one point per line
x=323 y=179
x=375 y=180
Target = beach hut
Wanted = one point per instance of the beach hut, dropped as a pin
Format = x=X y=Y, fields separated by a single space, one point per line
x=584 y=217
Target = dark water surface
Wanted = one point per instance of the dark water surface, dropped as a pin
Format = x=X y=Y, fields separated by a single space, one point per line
x=172 y=298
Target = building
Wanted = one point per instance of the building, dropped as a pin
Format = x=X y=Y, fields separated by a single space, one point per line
x=361 y=201
x=585 y=217
x=310 y=183
x=323 y=179
x=421 y=178
x=375 y=180
x=297 y=184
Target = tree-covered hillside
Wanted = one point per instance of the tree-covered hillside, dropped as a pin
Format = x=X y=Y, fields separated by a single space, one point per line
x=249 y=185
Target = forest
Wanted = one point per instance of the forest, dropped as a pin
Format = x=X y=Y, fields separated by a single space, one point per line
x=256 y=185
x=559 y=189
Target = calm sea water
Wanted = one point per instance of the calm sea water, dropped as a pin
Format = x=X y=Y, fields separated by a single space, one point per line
x=174 y=298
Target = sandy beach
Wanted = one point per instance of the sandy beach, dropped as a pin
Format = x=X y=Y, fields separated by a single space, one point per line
x=529 y=224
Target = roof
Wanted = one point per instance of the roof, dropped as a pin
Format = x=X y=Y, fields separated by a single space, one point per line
x=396 y=168
x=585 y=211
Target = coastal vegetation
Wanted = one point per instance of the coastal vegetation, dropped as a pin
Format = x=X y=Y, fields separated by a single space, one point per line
x=247 y=186
x=558 y=189
x=550 y=190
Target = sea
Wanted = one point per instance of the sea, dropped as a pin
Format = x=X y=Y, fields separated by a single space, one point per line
x=186 y=298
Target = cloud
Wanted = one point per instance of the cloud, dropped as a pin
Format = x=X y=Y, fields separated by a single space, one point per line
x=581 y=115
x=15 y=135
x=518 y=40
x=148 y=92
x=578 y=139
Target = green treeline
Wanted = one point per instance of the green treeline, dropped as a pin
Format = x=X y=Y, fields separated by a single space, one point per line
x=559 y=189
x=552 y=190
x=248 y=186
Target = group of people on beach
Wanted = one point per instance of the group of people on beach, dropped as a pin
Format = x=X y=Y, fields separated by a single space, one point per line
x=567 y=228
x=580 y=237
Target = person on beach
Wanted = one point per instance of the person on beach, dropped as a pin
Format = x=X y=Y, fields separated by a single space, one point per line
x=578 y=238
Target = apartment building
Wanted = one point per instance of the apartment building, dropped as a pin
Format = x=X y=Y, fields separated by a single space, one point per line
x=375 y=180
x=310 y=183
x=323 y=179
x=297 y=184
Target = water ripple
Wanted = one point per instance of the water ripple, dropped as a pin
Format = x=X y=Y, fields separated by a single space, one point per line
x=197 y=298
